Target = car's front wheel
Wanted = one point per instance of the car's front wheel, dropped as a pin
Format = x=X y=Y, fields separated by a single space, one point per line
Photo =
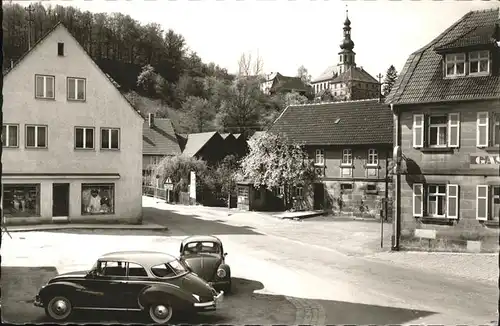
x=59 y=308
x=160 y=313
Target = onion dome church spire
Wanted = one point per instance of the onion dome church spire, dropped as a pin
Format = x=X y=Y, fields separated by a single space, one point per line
x=346 y=55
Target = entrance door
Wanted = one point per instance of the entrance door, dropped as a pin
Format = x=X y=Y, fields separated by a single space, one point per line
x=60 y=199
x=319 y=196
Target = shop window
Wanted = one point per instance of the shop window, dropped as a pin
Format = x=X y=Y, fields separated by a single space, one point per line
x=21 y=200
x=98 y=199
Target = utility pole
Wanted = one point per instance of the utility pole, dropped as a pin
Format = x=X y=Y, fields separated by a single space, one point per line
x=30 y=11
x=380 y=76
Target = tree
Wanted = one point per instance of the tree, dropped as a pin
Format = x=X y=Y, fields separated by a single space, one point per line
x=304 y=75
x=198 y=114
x=241 y=107
x=249 y=66
x=274 y=162
x=178 y=169
x=150 y=81
x=389 y=81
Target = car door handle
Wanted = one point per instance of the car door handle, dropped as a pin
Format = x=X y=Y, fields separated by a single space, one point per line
x=120 y=282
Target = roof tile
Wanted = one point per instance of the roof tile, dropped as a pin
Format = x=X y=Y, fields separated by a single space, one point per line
x=160 y=139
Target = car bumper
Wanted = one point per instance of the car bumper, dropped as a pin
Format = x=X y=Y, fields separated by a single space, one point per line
x=210 y=305
x=37 y=302
x=219 y=283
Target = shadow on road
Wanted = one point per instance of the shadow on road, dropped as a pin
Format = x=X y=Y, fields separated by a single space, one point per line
x=179 y=224
x=20 y=285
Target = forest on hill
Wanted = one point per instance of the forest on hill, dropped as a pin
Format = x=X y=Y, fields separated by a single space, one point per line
x=155 y=69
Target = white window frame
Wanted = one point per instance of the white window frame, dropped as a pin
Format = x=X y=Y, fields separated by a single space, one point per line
x=347 y=157
x=320 y=157
x=479 y=59
x=453 y=59
x=36 y=136
x=486 y=202
x=479 y=125
x=46 y=79
x=85 y=138
x=436 y=194
x=493 y=197
x=109 y=138
x=439 y=126
x=418 y=186
x=418 y=143
x=496 y=122
x=76 y=79
x=372 y=157
x=454 y=128
x=449 y=198
x=5 y=142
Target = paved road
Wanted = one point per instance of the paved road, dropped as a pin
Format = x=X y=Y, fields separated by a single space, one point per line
x=279 y=280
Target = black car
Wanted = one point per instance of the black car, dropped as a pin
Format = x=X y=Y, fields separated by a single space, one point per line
x=143 y=281
x=204 y=255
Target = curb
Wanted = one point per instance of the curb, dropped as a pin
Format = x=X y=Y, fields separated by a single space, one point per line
x=299 y=217
x=83 y=227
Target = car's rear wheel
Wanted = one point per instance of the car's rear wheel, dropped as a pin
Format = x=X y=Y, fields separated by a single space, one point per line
x=160 y=313
x=59 y=308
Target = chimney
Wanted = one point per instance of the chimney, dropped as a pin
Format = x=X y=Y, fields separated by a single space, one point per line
x=151 y=119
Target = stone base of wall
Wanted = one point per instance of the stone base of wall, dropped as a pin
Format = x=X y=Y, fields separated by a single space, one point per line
x=359 y=202
x=88 y=219
x=448 y=242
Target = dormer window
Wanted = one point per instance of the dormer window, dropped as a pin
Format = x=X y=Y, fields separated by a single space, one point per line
x=455 y=64
x=479 y=62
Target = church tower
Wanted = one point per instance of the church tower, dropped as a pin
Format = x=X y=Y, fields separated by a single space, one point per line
x=346 y=55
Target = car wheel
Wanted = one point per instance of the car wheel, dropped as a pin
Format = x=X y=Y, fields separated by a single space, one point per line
x=59 y=308
x=160 y=313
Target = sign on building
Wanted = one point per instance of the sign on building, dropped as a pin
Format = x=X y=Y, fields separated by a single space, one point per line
x=485 y=159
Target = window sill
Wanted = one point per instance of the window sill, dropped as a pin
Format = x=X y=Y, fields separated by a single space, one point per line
x=97 y=214
x=113 y=150
x=10 y=147
x=437 y=150
x=491 y=148
x=347 y=166
x=491 y=224
x=36 y=148
x=76 y=100
x=84 y=149
x=436 y=220
x=372 y=166
x=45 y=98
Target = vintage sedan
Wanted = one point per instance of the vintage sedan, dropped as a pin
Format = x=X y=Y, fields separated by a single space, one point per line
x=204 y=255
x=144 y=281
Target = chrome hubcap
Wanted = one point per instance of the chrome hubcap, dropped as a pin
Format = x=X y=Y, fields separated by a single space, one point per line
x=60 y=307
x=161 y=311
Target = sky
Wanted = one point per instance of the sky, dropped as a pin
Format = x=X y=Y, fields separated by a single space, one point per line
x=287 y=34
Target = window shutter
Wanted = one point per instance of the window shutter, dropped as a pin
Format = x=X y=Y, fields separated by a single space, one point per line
x=418 y=130
x=452 y=201
x=482 y=130
x=418 y=200
x=482 y=202
x=454 y=130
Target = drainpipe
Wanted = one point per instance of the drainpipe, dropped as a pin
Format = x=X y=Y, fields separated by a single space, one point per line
x=397 y=188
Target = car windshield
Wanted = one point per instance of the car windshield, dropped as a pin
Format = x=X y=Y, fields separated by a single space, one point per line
x=202 y=247
x=170 y=269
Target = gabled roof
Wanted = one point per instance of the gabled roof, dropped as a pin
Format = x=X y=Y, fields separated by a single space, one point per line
x=236 y=136
x=195 y=142
x=330 y=73
x=355 y=74
x=289 y=83
x=43 y=38
x=337 y=123
x=225 y=135
x=160 y=139
x=421 y=80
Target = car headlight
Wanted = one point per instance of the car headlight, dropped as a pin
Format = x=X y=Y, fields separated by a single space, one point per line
x=221 y=273
x=197 y=297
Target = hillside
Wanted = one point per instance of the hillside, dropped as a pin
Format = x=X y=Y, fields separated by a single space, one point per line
x=154 y=68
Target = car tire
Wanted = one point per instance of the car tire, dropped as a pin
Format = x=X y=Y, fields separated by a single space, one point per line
x=160 y=313
x=59 y=308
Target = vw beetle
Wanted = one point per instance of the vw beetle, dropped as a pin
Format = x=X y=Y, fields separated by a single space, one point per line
x=205 y=256
x=144 y=281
